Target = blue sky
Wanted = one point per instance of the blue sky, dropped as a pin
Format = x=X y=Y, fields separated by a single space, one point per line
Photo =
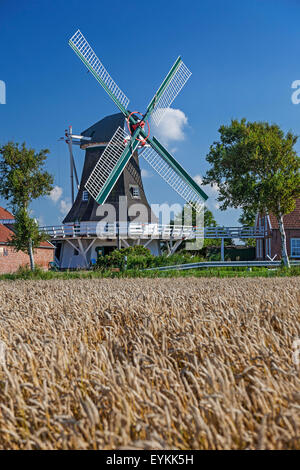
x=244 y=56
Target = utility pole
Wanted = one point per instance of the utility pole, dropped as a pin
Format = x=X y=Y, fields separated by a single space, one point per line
x=118 y=235
x=69 y=141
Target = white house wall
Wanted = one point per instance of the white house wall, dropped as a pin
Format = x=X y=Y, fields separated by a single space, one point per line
x=68 y=260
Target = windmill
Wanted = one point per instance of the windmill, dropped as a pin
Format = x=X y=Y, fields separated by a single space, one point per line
x=122 y=145
x=111 y=173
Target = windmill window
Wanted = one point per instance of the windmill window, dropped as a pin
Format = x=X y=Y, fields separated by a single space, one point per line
x=85 y=196
x=76 y=252
x=295 y=247
x=135 y=192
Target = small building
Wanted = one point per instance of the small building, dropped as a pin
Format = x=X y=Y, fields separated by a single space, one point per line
x=270 y=245
x=11 y=260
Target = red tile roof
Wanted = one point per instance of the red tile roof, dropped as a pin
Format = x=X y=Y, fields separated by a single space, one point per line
x=5 y=234
x=46 y=244
x=4 y=214
x=291 y=220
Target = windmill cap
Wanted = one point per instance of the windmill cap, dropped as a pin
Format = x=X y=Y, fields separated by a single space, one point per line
x=103 y=130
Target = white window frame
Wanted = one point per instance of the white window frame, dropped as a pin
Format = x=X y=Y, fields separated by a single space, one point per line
x=295 y=240
x=132 y=189
x=85 y=195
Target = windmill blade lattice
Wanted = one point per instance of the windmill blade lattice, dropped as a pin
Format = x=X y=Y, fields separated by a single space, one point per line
x=106 y=163
x=82 y=48
x=173 y=179
x=171 y=86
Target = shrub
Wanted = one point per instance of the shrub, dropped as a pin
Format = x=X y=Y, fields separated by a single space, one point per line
x=138 y=257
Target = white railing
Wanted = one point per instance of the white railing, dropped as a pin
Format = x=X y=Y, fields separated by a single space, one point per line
x=141 y=230
x=7 y=221
x=234 y=232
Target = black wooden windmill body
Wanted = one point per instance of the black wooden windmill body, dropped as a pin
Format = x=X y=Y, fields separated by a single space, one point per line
x=129 y=185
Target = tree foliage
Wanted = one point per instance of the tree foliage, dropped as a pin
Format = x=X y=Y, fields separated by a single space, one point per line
x=22 y=175
x=247 y=218
x=22 y=180
x=208 y=217
x=256 y=168
x=26 y=232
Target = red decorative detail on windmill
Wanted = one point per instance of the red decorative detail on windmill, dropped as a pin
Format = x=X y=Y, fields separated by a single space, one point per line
x=132 y=127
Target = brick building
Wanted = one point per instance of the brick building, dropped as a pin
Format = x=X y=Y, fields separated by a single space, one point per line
x=11 y=260
x=271 y=244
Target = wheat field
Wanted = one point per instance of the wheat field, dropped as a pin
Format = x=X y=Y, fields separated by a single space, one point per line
x=150 y=364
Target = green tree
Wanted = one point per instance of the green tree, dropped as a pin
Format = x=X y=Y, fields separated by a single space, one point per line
x=22 y=180
x=209 y=220
x=257 y=169
x=247 y=218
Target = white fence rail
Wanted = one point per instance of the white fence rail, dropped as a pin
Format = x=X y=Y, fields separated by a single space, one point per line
x=222 y=264
x=140 y=230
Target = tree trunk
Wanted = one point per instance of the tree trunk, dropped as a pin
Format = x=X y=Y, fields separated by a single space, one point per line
x=284 y=254
x=31 y=257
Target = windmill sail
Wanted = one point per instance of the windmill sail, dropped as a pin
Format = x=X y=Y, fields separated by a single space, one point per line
x=110 y=165
x=169 y=89
x=173 y=174
x=106 y=164
x=82 y=48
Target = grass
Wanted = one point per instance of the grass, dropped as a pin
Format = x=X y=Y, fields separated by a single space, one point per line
x=185 y=363
x=222 y=272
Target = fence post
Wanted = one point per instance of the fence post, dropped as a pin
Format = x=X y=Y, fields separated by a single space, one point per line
x=222 y=249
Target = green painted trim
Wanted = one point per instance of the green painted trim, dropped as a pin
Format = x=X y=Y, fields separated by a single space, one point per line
x=158 y=147
x=163 y=86
x=116 y=101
